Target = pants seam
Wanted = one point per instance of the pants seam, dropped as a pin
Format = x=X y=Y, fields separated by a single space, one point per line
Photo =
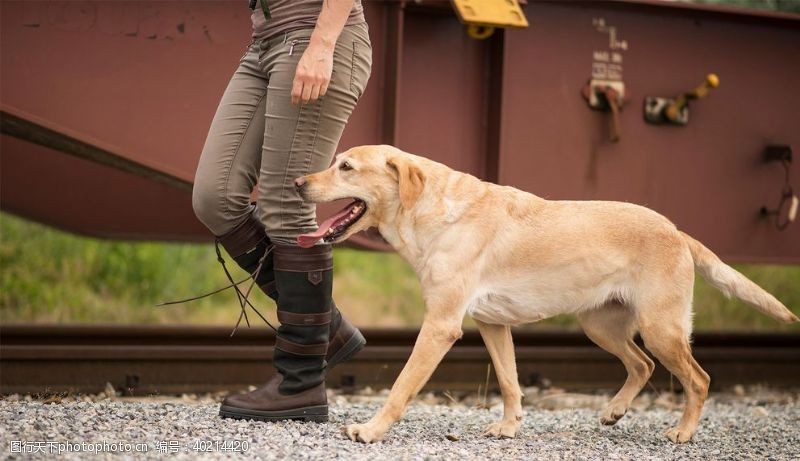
x=289 y=160
x=353 y=68
x=310 y=155
x=225 y=201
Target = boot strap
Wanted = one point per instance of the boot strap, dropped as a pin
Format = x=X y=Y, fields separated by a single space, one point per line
x=303 y=264
x=301 y=349
x=295 y=259
x=291 y=318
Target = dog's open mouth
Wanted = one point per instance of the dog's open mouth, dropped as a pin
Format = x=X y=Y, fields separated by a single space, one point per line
x=335 y=226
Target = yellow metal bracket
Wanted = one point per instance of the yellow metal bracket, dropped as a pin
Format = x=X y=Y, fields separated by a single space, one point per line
x=676 y=110
x=483 y=16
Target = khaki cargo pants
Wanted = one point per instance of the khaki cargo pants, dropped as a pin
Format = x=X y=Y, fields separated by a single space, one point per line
x=258 y=135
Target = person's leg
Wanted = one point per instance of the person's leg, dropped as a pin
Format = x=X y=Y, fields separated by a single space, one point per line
x=225 y=177
x=302 y=139
x=299 y=140
x=228 y=170
x=228 y=165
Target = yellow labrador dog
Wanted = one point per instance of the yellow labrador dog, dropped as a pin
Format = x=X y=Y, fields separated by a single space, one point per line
x=506 y=257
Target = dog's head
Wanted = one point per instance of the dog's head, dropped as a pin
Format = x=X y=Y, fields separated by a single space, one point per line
x=378 y=179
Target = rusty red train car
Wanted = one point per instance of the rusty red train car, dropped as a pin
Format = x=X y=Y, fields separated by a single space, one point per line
x=106 y=105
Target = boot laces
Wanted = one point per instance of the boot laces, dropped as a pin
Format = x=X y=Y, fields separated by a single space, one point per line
x=241 y=296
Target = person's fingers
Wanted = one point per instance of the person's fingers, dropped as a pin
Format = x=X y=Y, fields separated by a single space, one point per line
x=297 y=90
x=324 y=88
x=315 y=92
x=307 y=88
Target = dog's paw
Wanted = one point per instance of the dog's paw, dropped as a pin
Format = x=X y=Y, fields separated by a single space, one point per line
x=502 y=429
x=679 y=435
x=363 y=433
x=612 y=414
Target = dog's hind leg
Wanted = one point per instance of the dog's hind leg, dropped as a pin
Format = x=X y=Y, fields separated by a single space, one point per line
x=664 y=330
x=501 y=348
x=612 y=327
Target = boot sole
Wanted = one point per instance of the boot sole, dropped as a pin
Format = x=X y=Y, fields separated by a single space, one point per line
x=316 y=414
x=350 y=348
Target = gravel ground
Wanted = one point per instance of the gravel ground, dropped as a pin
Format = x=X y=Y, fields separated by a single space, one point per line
x=557 y=425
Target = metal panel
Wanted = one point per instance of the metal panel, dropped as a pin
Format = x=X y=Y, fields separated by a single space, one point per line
x=95 y=199
x=708 y=177
x=140 y=77
x=136 y=84
x=443 y=92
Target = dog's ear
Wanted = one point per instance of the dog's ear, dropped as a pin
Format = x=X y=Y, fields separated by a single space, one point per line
x=410 y=180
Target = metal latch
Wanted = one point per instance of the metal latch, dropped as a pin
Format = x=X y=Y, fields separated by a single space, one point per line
x=483 y=16
x=789 y=200
x=676 y=110
x=609 y=96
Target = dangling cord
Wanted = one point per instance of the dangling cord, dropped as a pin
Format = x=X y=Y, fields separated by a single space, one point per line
x=233 y=284
x=241 y=297
x=246 y=295
x=167 y=303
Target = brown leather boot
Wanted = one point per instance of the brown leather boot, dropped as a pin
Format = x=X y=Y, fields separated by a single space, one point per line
x=304 y=280
x=345 y=340
x=246 y=244
x=267 y=403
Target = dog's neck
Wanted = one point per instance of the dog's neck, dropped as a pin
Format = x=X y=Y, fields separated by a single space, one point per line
x=416 y=232
x=393 y=227
x=412 y=232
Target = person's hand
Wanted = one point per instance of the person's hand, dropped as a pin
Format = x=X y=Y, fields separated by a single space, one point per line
x=313 y=74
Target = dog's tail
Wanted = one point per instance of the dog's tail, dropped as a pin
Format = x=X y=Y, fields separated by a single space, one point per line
x=733 y=283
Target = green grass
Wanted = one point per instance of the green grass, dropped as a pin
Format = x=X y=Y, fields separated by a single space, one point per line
x=49 y=276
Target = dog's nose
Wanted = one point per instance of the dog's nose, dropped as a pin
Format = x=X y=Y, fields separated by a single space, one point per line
x=299 y=183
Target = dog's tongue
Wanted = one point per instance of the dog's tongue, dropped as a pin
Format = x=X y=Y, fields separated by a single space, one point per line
x=308 y=240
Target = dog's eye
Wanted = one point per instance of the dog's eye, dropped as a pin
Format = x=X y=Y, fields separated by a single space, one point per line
x=345 y=166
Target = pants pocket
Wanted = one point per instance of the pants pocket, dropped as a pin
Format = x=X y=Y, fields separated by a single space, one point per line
x=298 y=45
x=361 y=65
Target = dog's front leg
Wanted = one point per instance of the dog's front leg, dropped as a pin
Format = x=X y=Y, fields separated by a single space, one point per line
x=439 y=331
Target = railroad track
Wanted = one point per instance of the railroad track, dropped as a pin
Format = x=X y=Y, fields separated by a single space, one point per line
x=166 y=360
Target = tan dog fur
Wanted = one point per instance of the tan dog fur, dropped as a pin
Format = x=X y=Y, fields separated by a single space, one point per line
x=505 y=257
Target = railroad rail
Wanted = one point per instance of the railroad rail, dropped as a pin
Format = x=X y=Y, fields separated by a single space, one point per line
x=148 y=360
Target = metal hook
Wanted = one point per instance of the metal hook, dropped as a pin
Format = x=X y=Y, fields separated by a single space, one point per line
x=788 y=197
